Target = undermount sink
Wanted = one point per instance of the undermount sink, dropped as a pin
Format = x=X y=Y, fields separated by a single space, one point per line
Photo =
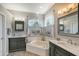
x=66 y=44
x=62 y=42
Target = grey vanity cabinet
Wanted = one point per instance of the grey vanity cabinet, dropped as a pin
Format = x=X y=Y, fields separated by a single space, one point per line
x=17 y=44
x=55 y=50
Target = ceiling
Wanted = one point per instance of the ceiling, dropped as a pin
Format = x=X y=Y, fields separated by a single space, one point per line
x=39 y=8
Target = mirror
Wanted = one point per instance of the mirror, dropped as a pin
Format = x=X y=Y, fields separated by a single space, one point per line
x=19 y=25
x=69 y=24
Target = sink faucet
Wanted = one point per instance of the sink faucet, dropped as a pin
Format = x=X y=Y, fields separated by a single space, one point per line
x=70 y=41
x=58 y=39
x=43 y=38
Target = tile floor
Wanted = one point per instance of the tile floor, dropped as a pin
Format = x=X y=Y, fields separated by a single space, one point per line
x=22 y=53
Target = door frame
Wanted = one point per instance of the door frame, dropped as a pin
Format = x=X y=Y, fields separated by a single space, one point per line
x=3 y=34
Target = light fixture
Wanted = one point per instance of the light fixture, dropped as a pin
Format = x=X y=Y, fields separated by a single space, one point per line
x=64 y=10
x=19 y=19
x=59 y=12
x=37 y=12
x=70 y=7
x=41 y=7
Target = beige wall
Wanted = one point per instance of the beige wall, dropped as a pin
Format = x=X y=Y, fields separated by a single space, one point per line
x=57 y=7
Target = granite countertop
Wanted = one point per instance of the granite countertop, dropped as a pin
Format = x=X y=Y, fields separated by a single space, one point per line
x=74 y=49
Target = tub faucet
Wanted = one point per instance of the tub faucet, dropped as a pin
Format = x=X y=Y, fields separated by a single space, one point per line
x=58 y=39
x=43 y=38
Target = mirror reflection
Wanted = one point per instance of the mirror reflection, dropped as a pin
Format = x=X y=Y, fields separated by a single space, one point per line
x=69 y=24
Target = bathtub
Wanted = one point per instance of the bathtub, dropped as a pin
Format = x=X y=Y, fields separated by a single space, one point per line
x=38 y=47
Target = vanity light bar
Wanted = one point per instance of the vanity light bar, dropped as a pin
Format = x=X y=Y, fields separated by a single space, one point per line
x=68 y=9
x=19 y=19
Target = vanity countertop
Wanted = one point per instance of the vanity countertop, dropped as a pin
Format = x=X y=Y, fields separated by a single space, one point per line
x=68 y=47
x=17 y=36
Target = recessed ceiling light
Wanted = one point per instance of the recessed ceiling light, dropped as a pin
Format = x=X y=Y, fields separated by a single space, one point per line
x=37 y=12
x=41 y=7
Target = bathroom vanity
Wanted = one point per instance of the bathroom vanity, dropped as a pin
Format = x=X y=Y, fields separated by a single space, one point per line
x=68 y=25
x=17 y=44
x=62 y=48
x=55 y=50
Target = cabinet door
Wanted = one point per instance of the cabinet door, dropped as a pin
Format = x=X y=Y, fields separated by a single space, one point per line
x=18 y=40
x=71 y=54
x=12 y=45
x=20 y=44
x=61 y=52
x=55 y=50
x=17 y=44
x=51 y=49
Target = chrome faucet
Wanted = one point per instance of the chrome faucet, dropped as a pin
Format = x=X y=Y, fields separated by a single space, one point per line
x=43 y=38
x=70 y=41
x=58 y=39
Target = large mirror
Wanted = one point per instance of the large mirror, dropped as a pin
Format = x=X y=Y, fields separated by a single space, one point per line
x=69 y=24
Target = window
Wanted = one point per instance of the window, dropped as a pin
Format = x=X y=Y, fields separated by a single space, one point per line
x=35 y=26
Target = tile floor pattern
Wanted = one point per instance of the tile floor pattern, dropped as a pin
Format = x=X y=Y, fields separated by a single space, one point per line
x=22 y=53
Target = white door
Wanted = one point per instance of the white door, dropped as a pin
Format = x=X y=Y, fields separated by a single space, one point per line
x=0 y=35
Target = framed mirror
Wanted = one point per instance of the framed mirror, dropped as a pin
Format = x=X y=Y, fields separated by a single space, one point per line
x=69 y=24
x=19 y=25
x=61 y=28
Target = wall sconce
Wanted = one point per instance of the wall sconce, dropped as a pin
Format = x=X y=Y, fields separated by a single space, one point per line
x=64 y=10
x=60 y=12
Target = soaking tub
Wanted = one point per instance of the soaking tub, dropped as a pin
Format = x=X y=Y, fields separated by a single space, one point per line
x=38 y=47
